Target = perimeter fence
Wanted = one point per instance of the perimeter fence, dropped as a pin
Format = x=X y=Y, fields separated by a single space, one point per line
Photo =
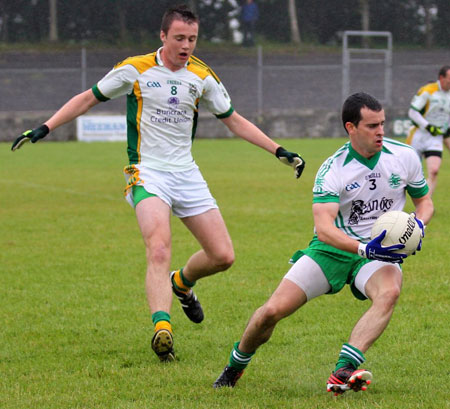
x=258 y=85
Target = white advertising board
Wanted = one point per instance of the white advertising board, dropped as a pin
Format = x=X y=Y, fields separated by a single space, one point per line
x=96 y=128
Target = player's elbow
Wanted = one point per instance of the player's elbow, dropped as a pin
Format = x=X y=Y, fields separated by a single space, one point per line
x=322 y=234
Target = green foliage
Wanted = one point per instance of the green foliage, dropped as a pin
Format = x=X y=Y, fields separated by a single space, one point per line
x=75 y=328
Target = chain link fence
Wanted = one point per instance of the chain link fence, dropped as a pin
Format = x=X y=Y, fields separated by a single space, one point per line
x=43 y=82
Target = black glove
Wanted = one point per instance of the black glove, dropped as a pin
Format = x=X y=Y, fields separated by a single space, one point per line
x=291 y=159
x=30 y=135
x=447 y=133
x=434 y=130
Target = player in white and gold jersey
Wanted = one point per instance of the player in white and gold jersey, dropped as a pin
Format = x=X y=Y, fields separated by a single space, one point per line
x=430 y=114
x=163 y=90
x=368 y=176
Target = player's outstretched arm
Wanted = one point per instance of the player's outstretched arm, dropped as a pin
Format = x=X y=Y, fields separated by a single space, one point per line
x=243 y=128
x=75 y=107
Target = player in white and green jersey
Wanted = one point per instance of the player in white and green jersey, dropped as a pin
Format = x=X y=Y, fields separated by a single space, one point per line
x=368 y=176
x=164 y=90
x=430 y=114
x=367 y=188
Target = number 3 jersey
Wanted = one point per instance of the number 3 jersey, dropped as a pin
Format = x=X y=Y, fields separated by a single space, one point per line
x=162 y=107
x=366 y=188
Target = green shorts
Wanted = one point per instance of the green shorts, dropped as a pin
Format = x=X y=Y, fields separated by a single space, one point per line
x=339 y=267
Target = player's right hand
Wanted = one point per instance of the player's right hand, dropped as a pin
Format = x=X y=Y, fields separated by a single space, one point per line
x=30 y=135
x=291 y=159
x=373 y=250
x=434 y=130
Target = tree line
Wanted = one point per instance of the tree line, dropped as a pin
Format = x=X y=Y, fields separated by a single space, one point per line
x=414 y=22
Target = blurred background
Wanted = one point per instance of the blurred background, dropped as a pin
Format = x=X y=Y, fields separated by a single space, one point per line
x=294 y=66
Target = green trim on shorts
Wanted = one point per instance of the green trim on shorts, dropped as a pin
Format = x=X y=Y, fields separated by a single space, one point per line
x=340 y=267
x=139 y=193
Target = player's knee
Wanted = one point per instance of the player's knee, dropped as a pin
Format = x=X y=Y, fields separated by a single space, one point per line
x=158 y=252
x=271 y=313
x=433 y=173
x=225 y=259
x=388 y=297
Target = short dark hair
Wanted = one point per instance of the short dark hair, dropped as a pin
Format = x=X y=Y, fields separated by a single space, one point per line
x=443 y=70
x=351 y=110
x=178 y=12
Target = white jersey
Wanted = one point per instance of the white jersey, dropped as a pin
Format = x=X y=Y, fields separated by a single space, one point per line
x=162 y=107
x=366 y=188
x=433 y=104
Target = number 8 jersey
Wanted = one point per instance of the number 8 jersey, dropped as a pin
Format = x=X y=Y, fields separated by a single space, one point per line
x=162 y=107
x=366 y=188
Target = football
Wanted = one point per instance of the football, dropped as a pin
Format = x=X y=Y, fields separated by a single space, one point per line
x=401 y=228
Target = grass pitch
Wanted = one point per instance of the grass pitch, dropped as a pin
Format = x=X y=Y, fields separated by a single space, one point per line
x=75 y=327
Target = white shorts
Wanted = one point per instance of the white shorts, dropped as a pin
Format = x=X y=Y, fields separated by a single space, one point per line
x=308 y=275
x=186 y=192
x=422 y=141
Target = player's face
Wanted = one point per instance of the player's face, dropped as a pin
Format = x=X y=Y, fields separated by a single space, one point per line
x=178 y=44
x=367 y=137
x=445 y=81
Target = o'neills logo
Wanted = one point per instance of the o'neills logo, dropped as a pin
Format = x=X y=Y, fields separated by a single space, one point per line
x=408 y=232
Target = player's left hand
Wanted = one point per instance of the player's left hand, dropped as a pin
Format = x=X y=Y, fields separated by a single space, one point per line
x=422 y=230
x=434 y=130
x=374 y=250
x=30 y=135
x=291 y=159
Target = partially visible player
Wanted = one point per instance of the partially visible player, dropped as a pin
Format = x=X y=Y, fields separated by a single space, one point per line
x=164 y=89
x=430 y=114
x=365 y=178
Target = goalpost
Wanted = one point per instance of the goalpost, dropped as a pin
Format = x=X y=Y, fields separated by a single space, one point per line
x=366 y=55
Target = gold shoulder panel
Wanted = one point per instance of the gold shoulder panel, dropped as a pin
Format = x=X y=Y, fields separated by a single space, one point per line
x=431 y=88
x=140 y=62
x=198 y=67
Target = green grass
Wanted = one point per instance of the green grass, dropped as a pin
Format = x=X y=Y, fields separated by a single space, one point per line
x=75 y=328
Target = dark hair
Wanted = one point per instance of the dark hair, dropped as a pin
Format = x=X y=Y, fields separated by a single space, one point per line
x=443 y=70
x=351 y=110
x=178 y=12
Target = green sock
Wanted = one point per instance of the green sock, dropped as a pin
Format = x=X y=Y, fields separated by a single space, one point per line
x=238 y=359
x=180 y=282
x=185 y=280
x=160 y=316
x=350 y=355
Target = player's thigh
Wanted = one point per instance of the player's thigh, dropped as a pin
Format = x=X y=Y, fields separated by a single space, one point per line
x=286 y=299
x=153 y=216
x=307 y=275
x=433 y=163
x=210 y=230
x=378 y=277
